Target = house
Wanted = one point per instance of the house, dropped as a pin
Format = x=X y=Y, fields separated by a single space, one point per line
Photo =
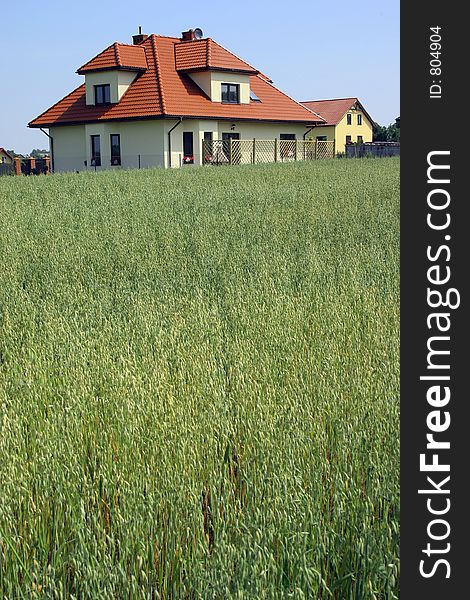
x=346 y=122
x=154 y=102
x=5 y=157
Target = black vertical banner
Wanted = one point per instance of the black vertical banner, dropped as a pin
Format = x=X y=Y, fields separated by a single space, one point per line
x=435 y=267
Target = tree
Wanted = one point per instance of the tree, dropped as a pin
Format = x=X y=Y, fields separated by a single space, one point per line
x=37 y=153
x=387 y=134
x=380 y=133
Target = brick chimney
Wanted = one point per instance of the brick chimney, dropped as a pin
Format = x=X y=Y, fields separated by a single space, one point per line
x=139 y=37
x=188 y=36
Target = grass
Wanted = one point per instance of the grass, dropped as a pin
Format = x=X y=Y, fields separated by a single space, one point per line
x=199 y=383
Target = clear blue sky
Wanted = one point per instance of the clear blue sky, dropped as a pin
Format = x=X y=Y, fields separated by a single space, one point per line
x=312 y=50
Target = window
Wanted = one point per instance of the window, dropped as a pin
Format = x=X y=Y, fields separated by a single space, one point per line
x=254 y=97
x=287 y=136
x=95 y=151
x=321 y=138
x=359 y=139
x=230 y=93
x=349 y=118
x=188 y=148
x=348 y=139
x=102 y=94
x=115 y=149
x=230 y=136
x=359 y=119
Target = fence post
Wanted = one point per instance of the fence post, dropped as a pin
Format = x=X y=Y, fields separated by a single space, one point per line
x=230 y=153
x=334 y=148
x=295 y=149
x=17 y=166
x=254 y=150
x=316 y=149
x=275 y=150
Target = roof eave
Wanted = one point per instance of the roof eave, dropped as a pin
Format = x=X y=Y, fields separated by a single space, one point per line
x=219 y=69
x=306 y=122
x=82 y=71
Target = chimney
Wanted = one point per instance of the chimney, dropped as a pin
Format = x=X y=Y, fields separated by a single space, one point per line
x=188 y=36
x=139 y=38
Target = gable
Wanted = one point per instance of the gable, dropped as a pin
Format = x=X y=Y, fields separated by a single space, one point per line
x=333 y=111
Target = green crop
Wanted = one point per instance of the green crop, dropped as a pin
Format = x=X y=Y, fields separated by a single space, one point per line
x=199 y=383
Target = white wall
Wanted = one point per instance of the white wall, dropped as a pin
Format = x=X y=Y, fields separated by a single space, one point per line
x=119 y=80
x=69 y=151
x=145 y=143
x=142 y=144
x=210 y=83
x=246 y=130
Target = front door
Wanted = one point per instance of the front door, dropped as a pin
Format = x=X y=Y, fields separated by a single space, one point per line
x=233 y=157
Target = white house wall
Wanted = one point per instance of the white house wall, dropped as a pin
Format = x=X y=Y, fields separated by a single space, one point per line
x=145 y=143
x=118 y=80
x=219 y=77
x=210 y=83
x=141 y=142
x=69 y=150
x=247 y=130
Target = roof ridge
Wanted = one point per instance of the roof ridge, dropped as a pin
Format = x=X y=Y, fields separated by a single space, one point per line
x=290 y=98
x=129 y=45
x=331 y=99
x=168 y=37
x=157 y=72
x=117 y=56
x=208 y=52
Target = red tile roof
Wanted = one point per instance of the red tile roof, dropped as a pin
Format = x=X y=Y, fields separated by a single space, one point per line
x=334 y=110
x=117 y=56
x=208 y=54
x=161 y=91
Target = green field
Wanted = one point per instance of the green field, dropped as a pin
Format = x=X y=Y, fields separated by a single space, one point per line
x=199 y=383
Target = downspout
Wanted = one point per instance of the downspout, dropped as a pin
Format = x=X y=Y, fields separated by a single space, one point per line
x=169 y=140
x=308 y=131
x=51 y=144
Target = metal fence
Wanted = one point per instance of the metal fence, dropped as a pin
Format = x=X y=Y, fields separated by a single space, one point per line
x=243 y=152
x=376 y=149
x=7 y=169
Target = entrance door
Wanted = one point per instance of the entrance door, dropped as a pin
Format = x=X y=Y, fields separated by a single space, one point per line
x=226 y=137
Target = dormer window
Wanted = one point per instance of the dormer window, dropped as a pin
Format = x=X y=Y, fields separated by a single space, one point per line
x=230 y=93
x=102 y=94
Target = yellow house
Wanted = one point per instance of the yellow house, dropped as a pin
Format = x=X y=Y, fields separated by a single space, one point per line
x=347 y=122
x=5 y=157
